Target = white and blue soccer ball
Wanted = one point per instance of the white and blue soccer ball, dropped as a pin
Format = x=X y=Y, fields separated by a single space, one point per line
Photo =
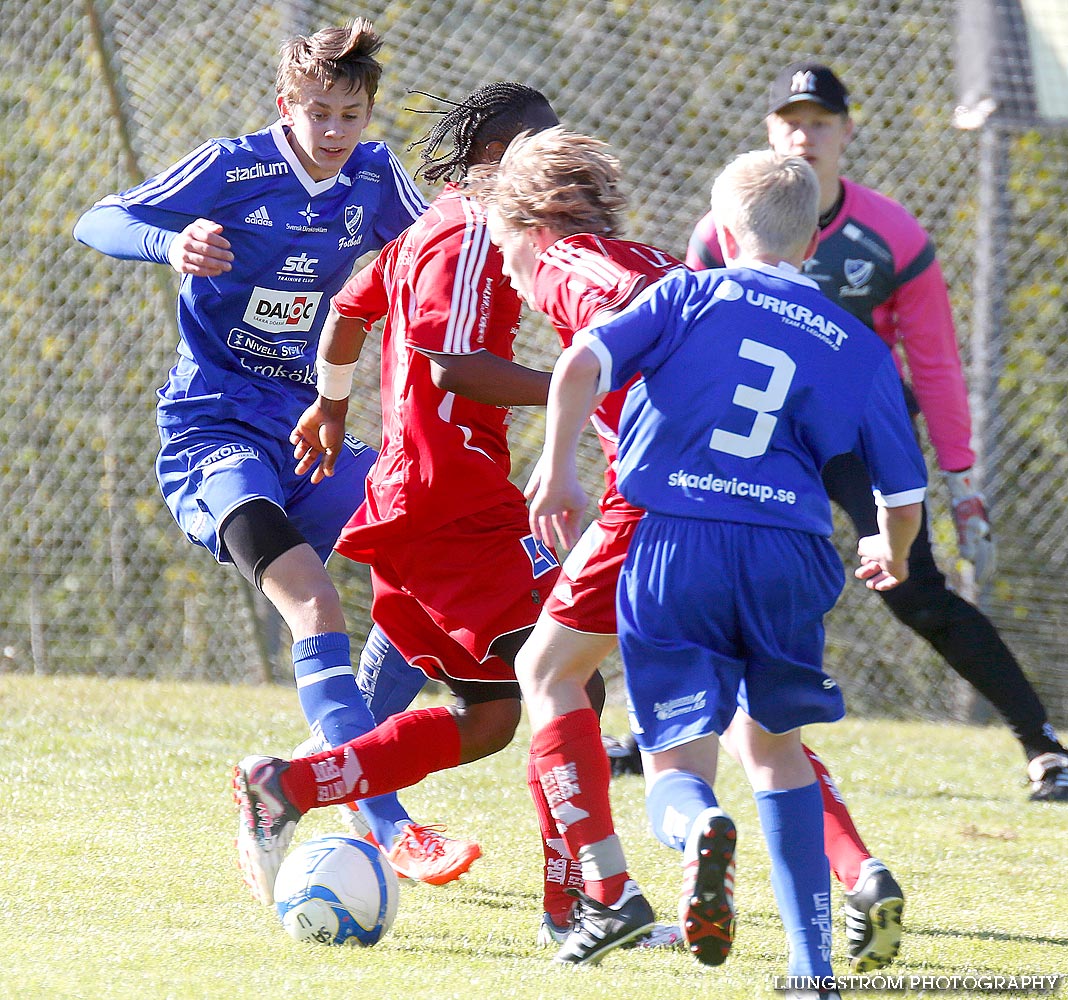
x=336 y=890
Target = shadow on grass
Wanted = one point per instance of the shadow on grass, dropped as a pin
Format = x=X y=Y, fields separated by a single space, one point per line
x=496 y=898
x=983 y=935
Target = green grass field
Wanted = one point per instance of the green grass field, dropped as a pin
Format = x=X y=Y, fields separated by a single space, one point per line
x=119 y=877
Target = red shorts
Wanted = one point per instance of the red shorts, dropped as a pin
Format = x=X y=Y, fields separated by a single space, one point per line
x=584 y=598
x=444 y=597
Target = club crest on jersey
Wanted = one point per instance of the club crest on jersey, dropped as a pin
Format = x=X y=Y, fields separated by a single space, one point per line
x=353 y=218
x=858 y=272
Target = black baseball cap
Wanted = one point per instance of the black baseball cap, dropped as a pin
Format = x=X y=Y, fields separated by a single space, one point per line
x=808 y=81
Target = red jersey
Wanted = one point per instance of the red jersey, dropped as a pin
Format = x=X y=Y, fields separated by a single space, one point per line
x=441 y=288
x=582 y=277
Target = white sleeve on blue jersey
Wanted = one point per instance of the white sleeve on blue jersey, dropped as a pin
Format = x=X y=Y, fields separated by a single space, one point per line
x=405 y=204
x=887 y=442
x=604 y=377
x=639 y=337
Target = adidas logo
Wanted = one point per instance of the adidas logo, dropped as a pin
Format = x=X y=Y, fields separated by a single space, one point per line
x=259 y=217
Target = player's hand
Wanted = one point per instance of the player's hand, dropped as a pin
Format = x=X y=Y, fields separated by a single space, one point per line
x=319 y=437
x=974 y=537
x=558 y=506
x=533 y=481
x=201 y=250
x=878 y=569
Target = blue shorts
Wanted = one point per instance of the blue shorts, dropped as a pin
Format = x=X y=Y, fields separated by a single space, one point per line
x=715 y=615
x=207 y=473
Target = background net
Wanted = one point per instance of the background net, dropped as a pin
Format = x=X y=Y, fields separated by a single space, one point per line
x=99 y=95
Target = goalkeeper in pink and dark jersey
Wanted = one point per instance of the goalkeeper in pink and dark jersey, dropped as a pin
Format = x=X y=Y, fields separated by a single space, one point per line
x=875 y=260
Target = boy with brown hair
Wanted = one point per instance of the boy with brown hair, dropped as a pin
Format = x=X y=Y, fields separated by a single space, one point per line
x=264 y=229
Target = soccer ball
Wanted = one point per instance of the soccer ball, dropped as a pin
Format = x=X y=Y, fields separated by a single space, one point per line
x=336 y=890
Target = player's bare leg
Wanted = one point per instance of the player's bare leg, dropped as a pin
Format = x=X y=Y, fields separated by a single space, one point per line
x=554 y=667
x=486 y=727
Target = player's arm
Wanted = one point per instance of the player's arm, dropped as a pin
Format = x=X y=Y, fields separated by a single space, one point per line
x=167 y=218
x=884 y=558
x=888 y=447
x=925 y=324
x=319 y=434
x=488 y=378
x=923 y=319
x=197 y=248
x=559 y=501
x=113 y=229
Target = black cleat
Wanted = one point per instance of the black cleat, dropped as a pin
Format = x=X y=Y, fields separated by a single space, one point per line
x=598 y=928
x=873 y=918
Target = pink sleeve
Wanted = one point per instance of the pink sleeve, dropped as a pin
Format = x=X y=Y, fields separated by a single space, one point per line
x=918 y=316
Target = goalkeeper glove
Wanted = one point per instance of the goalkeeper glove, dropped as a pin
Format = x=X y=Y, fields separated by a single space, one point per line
x=974 y=538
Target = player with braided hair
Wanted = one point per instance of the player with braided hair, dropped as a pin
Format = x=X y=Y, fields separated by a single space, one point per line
x=492 y=114
x=457 y=579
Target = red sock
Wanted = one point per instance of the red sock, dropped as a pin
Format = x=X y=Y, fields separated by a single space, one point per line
x=841 y=841
x=568 y=758
x=400 y=752
x=560 y=871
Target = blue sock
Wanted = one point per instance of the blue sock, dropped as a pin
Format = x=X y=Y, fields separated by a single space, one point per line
x=336 y=711
x=674 y=802
x=388 y=682
x=792 y=821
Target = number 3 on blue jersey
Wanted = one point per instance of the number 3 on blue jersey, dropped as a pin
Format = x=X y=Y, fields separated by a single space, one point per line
x=764 y=402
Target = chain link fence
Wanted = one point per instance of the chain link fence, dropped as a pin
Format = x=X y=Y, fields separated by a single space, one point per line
x=101 y=94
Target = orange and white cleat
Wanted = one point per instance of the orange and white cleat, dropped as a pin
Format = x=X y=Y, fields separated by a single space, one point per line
x=422 y=854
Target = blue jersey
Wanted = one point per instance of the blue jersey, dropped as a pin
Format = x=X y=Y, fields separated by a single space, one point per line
x=752 y=380
x=248 y=337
